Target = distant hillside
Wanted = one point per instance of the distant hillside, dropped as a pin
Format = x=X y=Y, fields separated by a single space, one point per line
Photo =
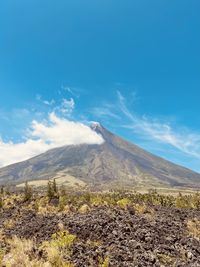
x=115 y=163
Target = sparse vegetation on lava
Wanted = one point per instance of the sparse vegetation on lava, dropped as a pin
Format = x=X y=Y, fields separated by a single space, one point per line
x=82 y=229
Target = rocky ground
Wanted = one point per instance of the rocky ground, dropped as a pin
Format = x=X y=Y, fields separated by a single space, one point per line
x=158 y=237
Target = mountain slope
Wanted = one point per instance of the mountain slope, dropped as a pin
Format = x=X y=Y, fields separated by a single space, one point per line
x=115 y=163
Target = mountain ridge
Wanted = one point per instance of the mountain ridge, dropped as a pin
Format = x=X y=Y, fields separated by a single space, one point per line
x=115 y=163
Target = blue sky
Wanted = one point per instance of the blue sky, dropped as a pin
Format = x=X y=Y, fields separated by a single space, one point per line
x=132 y=65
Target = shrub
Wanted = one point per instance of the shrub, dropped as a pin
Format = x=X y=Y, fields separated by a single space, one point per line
x=27 y=192
x=1 y=202
x=2 y=190
x=123 y=203
x=62 y=203
x=84 y=209
x=54 y=187
x=96 y=200
x=52 y=190
x=140 y=208
x=58 y=248
x=182 y=201
x=104 y=262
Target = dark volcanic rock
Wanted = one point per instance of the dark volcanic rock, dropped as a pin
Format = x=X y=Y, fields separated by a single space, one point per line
x=127 y=239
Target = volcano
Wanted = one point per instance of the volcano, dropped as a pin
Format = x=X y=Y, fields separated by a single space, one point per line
x=115 y=163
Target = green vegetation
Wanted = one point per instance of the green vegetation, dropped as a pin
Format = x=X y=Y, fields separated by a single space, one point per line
x=27 y=192
x=58 y=248
x=52 y=190
x=104 y=262
x=124 y=202
x=85 y=200
x=1 y=202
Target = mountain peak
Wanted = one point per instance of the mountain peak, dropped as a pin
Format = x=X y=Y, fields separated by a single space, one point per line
x=115 y=163
x=108 y=136
x=99 y=129
x=95 y=126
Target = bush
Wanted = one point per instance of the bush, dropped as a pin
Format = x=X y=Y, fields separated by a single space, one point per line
x=52 y=190
x=58 y=248
x=84 y=209
x=104 y=262
x=27 y=192
x=1 y=202
x=124 y=202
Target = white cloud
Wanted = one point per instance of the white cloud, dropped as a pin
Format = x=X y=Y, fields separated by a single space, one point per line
x=12 y=153
x=67 y=106
x=53 y=133
x=60 y=131
x=63 y=106
x=181 y=139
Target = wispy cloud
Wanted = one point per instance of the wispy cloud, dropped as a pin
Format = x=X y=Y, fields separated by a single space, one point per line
x=64 y=106
x=42 y=136
x=67 y=106
x=44 y=101
x=182 y=139
x=49 y=103
x=104 y=112
x=62 y=127
x=74 y=92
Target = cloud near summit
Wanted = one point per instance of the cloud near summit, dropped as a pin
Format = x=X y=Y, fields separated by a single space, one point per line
x=42 y=136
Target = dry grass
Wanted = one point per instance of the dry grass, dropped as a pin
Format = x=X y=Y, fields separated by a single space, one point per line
x=20 y=254
x=123 y=203
x=193 y=227
x=23 y=252
x=59 y=248
x=9 y=224
x=166 y=260
x=104 y=262
x=61 y=179
x=84 y=209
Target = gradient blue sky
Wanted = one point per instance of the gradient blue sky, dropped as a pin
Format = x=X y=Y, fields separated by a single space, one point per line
x=132 y=65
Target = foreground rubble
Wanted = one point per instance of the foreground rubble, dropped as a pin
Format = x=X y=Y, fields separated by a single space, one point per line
x=123 y=236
